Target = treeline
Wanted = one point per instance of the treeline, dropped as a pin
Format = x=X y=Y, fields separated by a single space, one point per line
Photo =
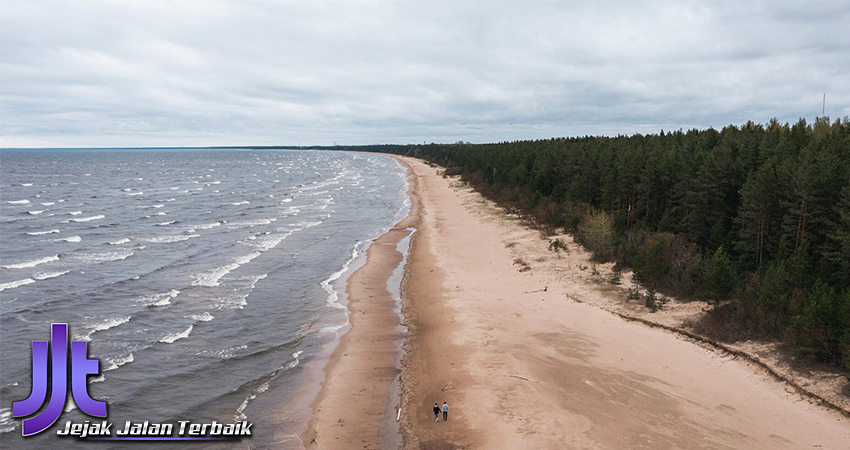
x=754 y=219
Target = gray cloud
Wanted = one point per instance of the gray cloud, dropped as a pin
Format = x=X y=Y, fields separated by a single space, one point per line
x=263 y=72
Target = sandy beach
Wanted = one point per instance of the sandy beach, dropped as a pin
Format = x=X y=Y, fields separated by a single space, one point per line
x=501 y=337
x=356 y=407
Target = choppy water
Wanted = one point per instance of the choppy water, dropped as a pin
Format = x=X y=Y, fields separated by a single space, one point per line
x=204 y=280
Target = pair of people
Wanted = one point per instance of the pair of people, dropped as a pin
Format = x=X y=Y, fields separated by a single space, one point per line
x=444 y=409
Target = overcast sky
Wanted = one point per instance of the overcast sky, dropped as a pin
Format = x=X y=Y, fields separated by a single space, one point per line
x=124 y=73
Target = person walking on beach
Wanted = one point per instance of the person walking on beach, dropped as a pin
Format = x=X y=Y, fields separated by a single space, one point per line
x=436 y=412
x=445 y=411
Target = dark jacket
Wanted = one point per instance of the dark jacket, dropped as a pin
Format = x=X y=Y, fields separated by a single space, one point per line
x=436 y=409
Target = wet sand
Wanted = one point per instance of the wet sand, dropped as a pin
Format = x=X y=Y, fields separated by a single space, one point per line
x=356 y=407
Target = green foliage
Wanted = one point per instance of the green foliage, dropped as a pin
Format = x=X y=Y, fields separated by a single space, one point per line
x=650 y=300
x=558 y=245
x=775 y=198
x=650 y=264
x=822 y=326
x=596 y=232
x=719 y=277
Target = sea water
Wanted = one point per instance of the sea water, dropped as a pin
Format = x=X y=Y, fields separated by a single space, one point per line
x=209 y=283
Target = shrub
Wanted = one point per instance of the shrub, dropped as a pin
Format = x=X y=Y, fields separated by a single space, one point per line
x=558 y=245
x=596 y=232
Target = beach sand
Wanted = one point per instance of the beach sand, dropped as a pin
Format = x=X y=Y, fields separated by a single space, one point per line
x=356 y=407
x=523 y=365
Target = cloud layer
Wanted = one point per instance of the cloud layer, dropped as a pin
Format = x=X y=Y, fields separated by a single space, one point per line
x=257 y=72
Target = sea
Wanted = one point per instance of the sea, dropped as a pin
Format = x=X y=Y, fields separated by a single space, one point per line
x=209 y=283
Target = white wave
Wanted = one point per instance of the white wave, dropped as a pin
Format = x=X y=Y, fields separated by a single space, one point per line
x=119 y=241
x=166 y=223
x=88 y=219
x=204 y=317
x=75 y=213
x=286 y=200
x=106 y=256
x=14 y=284
x=160 y=214
x=32 y=263
x=46 y=275
x=244 y=202
x=25 y=184
x=333 y=297
x=169 y=239
x=207 y=226
x=157 y=206
x=265 y=243
x=211 y=278
x=35 y=213
x=7 y=423
x=18 y=202
x=48 y=203
x=237 y=298
x=71 y=239
x=39 y=233
x=240 y=411
x=171 y=338
x=134 y=193
x=160 y=299
x=250 y=223
x=115 y=363
x=104 y=325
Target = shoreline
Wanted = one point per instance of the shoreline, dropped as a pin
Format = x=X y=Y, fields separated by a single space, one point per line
x=355 y=399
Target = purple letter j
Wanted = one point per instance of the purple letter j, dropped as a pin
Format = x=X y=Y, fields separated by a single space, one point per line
x=81 y=367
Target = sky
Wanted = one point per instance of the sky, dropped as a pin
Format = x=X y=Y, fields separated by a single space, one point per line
x=197 y=73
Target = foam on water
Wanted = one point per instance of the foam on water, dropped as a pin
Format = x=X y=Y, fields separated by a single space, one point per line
x=95 y=258
x=169 y=239
x=39 y=233
x=48 y=275
x=263 y=387
x=203 y=317
x=171 y=338
x=163 y=299
x=115 y=363
x=33 y=263
x=211 y=278
x=119 y=241
x=14 y=284
x=88 y=219
x=18 y=202
x=7 y=423
x=103 y=326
